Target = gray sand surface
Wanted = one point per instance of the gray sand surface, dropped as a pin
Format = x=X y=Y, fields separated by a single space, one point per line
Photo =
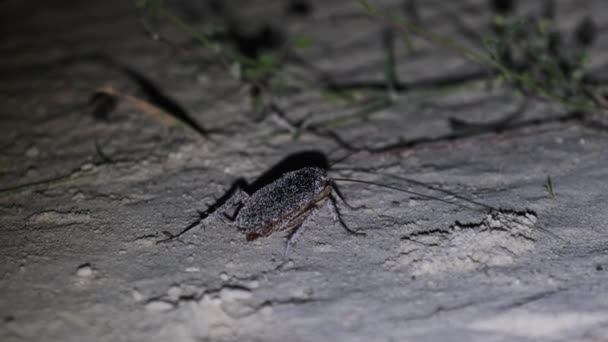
x=78 y=234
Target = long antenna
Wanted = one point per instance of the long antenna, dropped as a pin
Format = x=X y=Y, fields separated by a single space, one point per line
x=464 y=198
x=403 y=190
x=434 y=188
x=482 y=205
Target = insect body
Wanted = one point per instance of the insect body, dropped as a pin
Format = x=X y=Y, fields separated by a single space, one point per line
x=284 y=204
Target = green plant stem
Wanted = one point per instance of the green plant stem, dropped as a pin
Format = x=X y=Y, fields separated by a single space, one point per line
x=427 y=35
x=224 y=59
x=201 y=37
x=475 y=56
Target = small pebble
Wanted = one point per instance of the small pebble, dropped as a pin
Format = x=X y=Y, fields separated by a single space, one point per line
x=32 y=171
x=146 y=241
x=87 y=167
x=77 y=197
x=159 y=306
x=266 y=311
x=174 y=292
x=202 y=79
x=85 y=271
x=233 y=294
x=137 y=296
x=32 y=152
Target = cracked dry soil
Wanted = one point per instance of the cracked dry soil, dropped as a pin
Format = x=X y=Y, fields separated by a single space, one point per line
x=79 y=227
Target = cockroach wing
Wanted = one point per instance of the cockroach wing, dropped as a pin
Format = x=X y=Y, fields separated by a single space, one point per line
x=274 y=202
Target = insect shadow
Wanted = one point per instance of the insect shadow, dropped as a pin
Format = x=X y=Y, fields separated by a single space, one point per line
x=288 y=194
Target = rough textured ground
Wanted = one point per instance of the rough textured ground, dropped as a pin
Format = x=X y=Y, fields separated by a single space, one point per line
x=77 y=233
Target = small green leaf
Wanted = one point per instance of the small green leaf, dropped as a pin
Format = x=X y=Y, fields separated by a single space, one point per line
x=236 y=70
x=267 y=61
x=544 y=26
x=333 y=97
x=499 y=20
x=302 y=42
x=366 y=5
x=215 y=47
x=260 y=67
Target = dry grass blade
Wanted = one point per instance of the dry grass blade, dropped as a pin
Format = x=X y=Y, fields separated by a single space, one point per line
x=155 y=112
x=146 y=107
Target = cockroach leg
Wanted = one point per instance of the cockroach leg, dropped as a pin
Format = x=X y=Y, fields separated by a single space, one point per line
x=233 y=197
x=295 y=234
x=341 y=197
x=337 y=217
x=237 y=200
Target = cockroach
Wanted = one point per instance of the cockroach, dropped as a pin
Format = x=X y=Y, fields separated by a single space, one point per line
x=287 y=202
x=282 y=205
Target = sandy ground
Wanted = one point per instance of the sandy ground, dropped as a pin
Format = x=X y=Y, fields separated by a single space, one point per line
x=78 y=232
